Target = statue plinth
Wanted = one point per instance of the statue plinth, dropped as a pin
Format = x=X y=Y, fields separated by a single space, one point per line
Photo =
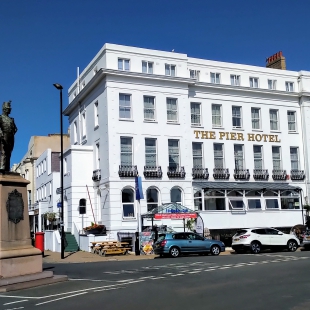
x=17 y=255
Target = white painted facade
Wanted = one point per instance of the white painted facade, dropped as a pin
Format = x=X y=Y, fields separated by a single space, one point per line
x=107 y=105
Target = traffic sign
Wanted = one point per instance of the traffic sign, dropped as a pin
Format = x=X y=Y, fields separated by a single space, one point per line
x=58 y=190
x=59 y=205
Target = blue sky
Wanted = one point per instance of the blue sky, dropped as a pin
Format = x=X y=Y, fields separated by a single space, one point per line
x=43 y=42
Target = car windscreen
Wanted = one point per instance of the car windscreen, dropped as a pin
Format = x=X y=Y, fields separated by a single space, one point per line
x=161 y=237
x=240 y=232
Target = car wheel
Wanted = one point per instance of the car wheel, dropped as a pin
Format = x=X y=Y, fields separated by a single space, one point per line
x=215 y=250
x=292 y=245
x=255 y=247
x=174 y=252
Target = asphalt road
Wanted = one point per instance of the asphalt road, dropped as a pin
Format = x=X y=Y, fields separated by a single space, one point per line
x=266 y=281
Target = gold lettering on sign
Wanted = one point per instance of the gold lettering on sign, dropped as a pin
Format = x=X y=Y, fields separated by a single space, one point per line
x=212 y=134
x=227 y=135
x=265 y=137
x=250 y=136
x=222 y=134
x=204 y=134
x=232 y=136
x=240 y=137
x=277 y=140
x=197 y=132
x=271 y=138
x=258 y=138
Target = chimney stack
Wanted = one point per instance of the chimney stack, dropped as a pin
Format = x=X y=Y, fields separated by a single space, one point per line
x=276 y=61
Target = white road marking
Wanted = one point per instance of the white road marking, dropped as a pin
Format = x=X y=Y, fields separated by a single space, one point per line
x=14 y=302
x=46 y=302
x=92 y=280
x=15 y=308
x=194 y=271
x=157 y=278
x=178 y=274
x=209 y=269
x=224 y=268
x=125 y=280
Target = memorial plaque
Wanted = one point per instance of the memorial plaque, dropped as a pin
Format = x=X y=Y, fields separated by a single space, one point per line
x=15 y=206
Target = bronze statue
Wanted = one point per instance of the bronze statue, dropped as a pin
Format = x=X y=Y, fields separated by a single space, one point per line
x=7 y=132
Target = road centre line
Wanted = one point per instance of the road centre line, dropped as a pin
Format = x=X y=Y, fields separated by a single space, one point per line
x=178 y=274
x=14 y=302
x=157 y=278
x=15 y=308
x=46 y=302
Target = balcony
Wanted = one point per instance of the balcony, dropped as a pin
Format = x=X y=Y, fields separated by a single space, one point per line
x=152 y=172
x=241 y=174
x=176 y=172
x=279 y=175
x=96 y=175
x=260 y=174
x=200 y=173
x=297 y=175
x=128 y=171
x=221 y=173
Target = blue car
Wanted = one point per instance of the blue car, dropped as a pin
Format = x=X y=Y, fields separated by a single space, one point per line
x=175 y=244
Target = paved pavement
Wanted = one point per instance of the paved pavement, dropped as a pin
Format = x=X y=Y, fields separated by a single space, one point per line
x=86 y=257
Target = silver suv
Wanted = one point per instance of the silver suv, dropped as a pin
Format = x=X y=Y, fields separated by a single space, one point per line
x=257 y=239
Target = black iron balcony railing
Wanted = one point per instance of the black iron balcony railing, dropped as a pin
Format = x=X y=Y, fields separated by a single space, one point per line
x=241 y=174
x=297 y=174
x=221 y=173
x=279 y=174
x=96 y=175
x=176 y=172
x=260 y=174
x=127 y=171
x=152 y=172
x=200 y=173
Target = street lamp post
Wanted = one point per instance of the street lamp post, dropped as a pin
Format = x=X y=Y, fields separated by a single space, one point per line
x=62 y=246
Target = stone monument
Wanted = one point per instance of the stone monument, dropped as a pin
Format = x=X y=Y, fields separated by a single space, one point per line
x=20 y=262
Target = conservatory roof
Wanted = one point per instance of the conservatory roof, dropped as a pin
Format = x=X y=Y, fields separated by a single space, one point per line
x=171 y=207
x=245 y=186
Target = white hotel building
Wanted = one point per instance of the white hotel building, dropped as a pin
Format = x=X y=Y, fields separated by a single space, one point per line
x=230 y=141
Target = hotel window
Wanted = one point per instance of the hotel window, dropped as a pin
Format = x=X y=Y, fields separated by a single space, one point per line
x=197 y=199
x=214 y=200
x=126 y=151
x=176 y=195
x=274 y=119
x=128 y=203
x=65 y=166
x=235 y=80
x=151 y=199
x=195 y=113
x=215 y=78
x=239 y=156
x=96 y=113
x=255 y=113
x=149 y=108
x=216 y=115
x=197 y=155
x=150 y=153
x=289 y=200
x=75 y=132
x=218 y=152
x=291 y=119
x=194 y=74
x=97 y=156
x=172 y=110
x=272 y=84
x=84 y=125
x=253 y=198
x=236 y=117
x=289 y=86
x=147 y=67
x=173 y=152
x=258 y=156
x=253 y=82
x=169 y=69
x=124 y=106
x=276 y=157
x=123 y=64
x=294 y=158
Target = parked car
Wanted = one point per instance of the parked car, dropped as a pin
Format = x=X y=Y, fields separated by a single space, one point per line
x=257 y=239
x=306 y=240
x=175 y=244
